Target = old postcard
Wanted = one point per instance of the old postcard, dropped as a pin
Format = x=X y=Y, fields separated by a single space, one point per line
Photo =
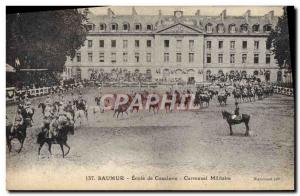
x=150 y=98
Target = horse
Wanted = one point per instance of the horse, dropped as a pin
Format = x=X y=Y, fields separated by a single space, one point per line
x=223 y=99
x=244 y=119
x=251 y=94
x=154 y=106
x=82 y=110
x=43 y=106
x=61 y=138
x=121 y=109
x=19 y=134
x=204 y=99
x=237 y=96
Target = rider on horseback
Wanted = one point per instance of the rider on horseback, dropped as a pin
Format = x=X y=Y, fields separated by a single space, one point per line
x=48 y=101
x=236 y=112
x=18 y=121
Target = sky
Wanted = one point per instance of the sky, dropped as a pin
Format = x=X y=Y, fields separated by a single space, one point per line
x=190 y=10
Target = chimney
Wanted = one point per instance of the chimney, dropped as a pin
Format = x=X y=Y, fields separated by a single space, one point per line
x=247 y=15
x=197 y=13
x=110 y=13
x=223 y=14
x=133 y=12
x=270 y=15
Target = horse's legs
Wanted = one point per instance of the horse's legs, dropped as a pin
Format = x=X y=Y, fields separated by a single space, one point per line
x=247 y=129
x=40 y=147
x=68 y=148
x=22 y=142
x=49 y=147
x=9 y=145
x=231 y=133
x=62 y=149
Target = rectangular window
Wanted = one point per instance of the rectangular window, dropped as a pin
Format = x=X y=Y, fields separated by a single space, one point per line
x=244 y=58
x=114 y=27
x=113 y=43
x=166 y=43
x=90 y=43
x=102 y=27
x=148 y=57
x=101 y=57
x=191 y=57
x=125 y=43
x=220 y=58
x=256 y=58
x=137 y=43
x=232 y=58
x=208 y=44
x=149 y=27
x=125 y=57
x=78 y=57
x=232 y=44
x=101 y=43
x=208 y=58
x=137 y=27
x=178 y=57
x=166 y=57
x=191 y=44
x=137 y=57
x=90 y=57
x=268 y=58
x=113 y=57
x=244 y=44
x=148 y=43
x=220 y=44
x=256 y=45
x=178 y=43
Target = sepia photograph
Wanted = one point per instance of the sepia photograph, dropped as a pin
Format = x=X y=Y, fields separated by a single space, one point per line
x=150 y=98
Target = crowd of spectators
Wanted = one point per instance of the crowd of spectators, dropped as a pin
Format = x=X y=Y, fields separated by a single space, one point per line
x=32 y=79
x=121 y=75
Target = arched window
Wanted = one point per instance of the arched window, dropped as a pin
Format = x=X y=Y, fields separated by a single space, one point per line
x=209 y=28
x=255 y=28
x=267 y=75
x=267 y=28
x=208 y=72
x=232 y=28
x=220 y=28
x=125 y=27
x=114 y=27
x=90 y=27
x=244 y=73
x=244 y=28
x=220 y=72
x=255 y=73
x=137 y=27
x=102 y=27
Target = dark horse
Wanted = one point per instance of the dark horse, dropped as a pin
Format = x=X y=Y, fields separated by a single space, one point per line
x=43 y=106
x=19 y=133
x=245 y=119
x=223 y=98
x=60 y=139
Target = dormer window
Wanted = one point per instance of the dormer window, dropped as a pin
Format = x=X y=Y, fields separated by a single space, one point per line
x=244 y=28
x=125 y=27
x=102 y=27
x=255 y=28
x=267 y=28
x=114 y=27
x=209 y=28
x=220 y=28
x=232 y=28
x=138 y=27
x=149 y=27
x=90 y=27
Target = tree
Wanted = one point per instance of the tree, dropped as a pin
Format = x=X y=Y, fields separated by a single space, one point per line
x=279 y=39
x=45 y=39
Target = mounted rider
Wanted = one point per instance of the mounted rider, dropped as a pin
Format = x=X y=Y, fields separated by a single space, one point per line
x=236 y=114
x=18 y=121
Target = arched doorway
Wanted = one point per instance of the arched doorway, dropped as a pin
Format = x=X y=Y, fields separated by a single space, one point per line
x=208 y=72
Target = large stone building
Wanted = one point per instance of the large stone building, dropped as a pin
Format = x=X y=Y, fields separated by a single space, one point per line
x=186 y=47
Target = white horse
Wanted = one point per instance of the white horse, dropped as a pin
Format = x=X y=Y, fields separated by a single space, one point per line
x=81 y=114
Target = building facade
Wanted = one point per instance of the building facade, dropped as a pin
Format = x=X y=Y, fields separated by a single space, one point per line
x=177 y=47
